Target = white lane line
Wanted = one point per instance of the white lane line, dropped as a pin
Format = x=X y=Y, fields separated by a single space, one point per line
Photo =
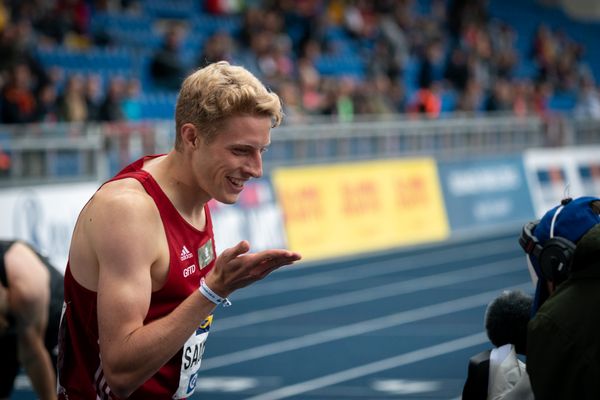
x=370 y=294
x=355 y=329
x=374 y=367
x=369 y=269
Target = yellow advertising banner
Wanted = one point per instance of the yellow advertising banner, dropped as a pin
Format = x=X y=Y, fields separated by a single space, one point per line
x=342 y=209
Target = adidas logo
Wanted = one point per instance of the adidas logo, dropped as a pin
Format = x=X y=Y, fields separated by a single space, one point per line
x=185 y=254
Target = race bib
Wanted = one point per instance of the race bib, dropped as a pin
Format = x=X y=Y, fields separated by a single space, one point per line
x=191 y=359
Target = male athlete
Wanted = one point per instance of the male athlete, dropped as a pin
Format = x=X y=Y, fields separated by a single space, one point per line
x=142 y=279
x=31 y=297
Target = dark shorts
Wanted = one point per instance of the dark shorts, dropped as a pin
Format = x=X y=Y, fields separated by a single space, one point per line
x=9 y=366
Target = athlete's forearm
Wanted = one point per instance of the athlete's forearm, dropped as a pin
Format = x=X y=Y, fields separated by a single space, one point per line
x=38 y=365
x=130 y=362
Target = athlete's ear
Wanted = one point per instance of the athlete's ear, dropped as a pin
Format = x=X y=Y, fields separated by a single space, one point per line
x=189 y=135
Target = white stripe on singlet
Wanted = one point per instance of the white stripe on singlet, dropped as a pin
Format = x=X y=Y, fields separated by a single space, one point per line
x=102 y=387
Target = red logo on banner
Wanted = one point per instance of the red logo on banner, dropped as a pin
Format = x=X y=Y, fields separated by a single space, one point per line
x=360 y=197
x=302 y=204
x=411 y=191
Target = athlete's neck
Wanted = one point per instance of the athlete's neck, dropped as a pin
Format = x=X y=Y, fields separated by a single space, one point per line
x=173 y=175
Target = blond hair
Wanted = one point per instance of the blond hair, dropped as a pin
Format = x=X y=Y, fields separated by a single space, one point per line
x=218 y=91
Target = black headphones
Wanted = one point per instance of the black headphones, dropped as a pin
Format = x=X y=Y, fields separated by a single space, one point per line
x=554 y=257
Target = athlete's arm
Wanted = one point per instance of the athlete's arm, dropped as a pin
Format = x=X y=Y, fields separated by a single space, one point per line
x=37 y=362
x=126 y=234
x=29 y=299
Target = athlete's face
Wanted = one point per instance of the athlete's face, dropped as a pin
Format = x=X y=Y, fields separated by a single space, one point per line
x=232 y=157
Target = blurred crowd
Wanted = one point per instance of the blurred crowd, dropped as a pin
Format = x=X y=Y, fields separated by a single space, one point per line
x=450 y=58
x=32 y=92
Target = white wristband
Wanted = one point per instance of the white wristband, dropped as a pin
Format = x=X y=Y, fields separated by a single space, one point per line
x=212 y=296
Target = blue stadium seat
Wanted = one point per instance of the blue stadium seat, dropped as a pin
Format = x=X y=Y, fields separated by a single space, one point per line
x=173 y=9
x=341 y=65
x=135 y=39
x=562 y=101
x=449 y=99
x=94 y=59
x=209 y=24
x=526 y=69
x=122 y=21
x=158 y=105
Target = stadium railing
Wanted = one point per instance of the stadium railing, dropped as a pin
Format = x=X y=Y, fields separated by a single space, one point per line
x=49 y=153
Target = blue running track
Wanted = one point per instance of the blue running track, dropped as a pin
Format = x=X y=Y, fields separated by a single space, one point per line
x=394 y=325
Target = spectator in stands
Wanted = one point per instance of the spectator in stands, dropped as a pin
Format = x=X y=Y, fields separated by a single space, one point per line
x=291 y=102
x=77 y=15
x=373 y=96
x=252 y=22
x=302 y=22
x=283 y=59
x=497 y=373
x=392 y=47
x=522 y=97
x=167 y=67
x=426 y=102
x=382 y=37
x=17 y=46
x=463 y=14
x=220 y=7
x=563 y=350
x=340 y=97
x=397 y=93
x=431 y=69
x=112 y=109
x=504 y=56
x=5 y=163
x=17 y=100
x=311 y=52
x=457 y=70
x=384 y=60
x=72 y=103
x=472 y=99
x=132 y=109
x=153 y=279
x=588 y=99
x=542 y=91
x=500 y=99
x=31 y=299
x=94 y=96
x=218 y=47
x=360 y=19
x=345 y=99
x=481 y=61
x=47 y=107
x=310 y=84
x=557 y=57
x=257 y=58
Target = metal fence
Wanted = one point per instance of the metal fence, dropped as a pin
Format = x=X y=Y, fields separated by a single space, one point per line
x=44 y=153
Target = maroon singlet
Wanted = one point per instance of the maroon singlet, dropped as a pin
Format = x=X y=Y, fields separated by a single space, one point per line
x=192 y=255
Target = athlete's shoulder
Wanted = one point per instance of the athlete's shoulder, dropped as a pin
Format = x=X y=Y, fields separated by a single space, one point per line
x=122 y=194
x=120 y=203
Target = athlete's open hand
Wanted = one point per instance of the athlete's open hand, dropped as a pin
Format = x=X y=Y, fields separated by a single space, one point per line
x=236 y=268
